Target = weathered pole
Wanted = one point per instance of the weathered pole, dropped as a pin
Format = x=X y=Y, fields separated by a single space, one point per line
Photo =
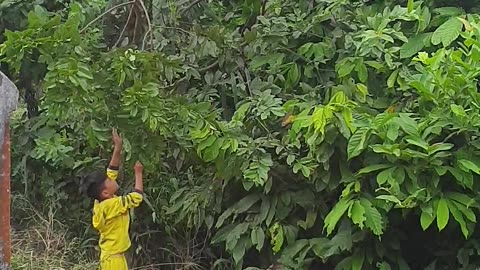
x=8 y=103
x=5 y=250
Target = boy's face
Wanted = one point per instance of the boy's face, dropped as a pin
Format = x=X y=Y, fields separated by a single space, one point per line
x=109 y=189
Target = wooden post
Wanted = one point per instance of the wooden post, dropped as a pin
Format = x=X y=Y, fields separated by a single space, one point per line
x=5 y=251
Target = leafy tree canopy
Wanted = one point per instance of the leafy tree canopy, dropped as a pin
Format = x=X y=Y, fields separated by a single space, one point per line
x=297 y=133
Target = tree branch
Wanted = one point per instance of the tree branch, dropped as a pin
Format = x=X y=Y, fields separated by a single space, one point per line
x=149 y=22
x=201 y=70
x=189 y=7
x=125 y=26
x=106 y=12
x=209 y=67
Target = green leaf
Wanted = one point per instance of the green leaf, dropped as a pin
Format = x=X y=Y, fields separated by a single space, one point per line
x=414 y=45
x=347 y=118
x=211 y=153
x=374 y=64
x=357 y=261
x=357 y=143
x=293 y=76
x=258 y=237
x=373 y=168
x=384 y=176
x=449 y=11
x=310 y=219
x=344 y=67
x=392 y=132
x=410 y=5
x=442 y=214
x=407 y=124
x=426 y=220
x=390 y=198
x=362 y=71
x=239 y=250
x=276 y=233
x=241 y=112
x=424 y=20
x=321 y=117
x=392 y=78
x=271 y=211
x=290 y=159
x=466 y=24
x=447 y=32
x=295 y=251
x=457 y=215
x=467 y=212
x=363 y=91
x=246 y=203
x=206 y=143
x=384 y=266
x=250 y=36
x=470 y=165
x=418 y=142
x=437 y=147
x=240 y=207
x=458 y=110
x=358 y=214
x=224 y=233
x=264 y=209
x=305 y=48
x=259 y=61
x=374 y=220
x=461 y=198
x=335 y=214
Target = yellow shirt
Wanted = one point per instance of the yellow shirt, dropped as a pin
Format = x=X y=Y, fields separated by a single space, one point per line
x=112 y=220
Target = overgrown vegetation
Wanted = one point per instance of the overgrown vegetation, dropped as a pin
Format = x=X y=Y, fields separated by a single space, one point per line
x=42 y=242
x=292 y=134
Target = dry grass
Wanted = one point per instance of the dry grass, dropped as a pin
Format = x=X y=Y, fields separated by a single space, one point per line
x=45 y=244
x=33 y=251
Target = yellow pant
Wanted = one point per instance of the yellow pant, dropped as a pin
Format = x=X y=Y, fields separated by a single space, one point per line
x=113 y=262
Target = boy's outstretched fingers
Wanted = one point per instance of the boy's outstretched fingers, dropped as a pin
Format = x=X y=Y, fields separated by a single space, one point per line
x=138 y=167
x=138 y=176
x=115 y=137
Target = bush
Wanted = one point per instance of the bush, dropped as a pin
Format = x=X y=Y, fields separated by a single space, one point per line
x=293 y=134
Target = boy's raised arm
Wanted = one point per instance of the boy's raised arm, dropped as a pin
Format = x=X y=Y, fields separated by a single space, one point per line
x=114 y=166
x=117 y=150
x=138 y=177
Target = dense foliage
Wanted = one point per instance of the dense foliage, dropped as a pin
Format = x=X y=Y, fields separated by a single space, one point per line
x=309 y=134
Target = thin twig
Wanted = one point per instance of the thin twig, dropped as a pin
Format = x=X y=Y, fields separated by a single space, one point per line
x=209 y=67
x=144 y=39
x=149 y=22
x=264 y=5
x=189 y=7
x=106 y=12
x=125 y=26
x=297 y=54
x=177 y=28
x=201 y=70
x=134 y=37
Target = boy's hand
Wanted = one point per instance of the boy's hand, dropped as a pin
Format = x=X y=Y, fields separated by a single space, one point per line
x=138 y=176
x=138 y=168
x=117 y=140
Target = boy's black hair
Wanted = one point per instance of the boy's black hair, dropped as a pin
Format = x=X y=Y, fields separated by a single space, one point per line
x=92 y=184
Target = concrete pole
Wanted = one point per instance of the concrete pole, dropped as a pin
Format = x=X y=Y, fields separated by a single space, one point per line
x=5 y=251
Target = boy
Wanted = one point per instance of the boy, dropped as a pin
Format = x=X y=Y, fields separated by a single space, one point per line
x=110 y=212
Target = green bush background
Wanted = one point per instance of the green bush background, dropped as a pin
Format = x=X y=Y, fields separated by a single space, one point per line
x=297 y=134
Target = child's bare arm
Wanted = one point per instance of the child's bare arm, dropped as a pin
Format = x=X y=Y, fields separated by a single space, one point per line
x=138 y=176
x=117 y=150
